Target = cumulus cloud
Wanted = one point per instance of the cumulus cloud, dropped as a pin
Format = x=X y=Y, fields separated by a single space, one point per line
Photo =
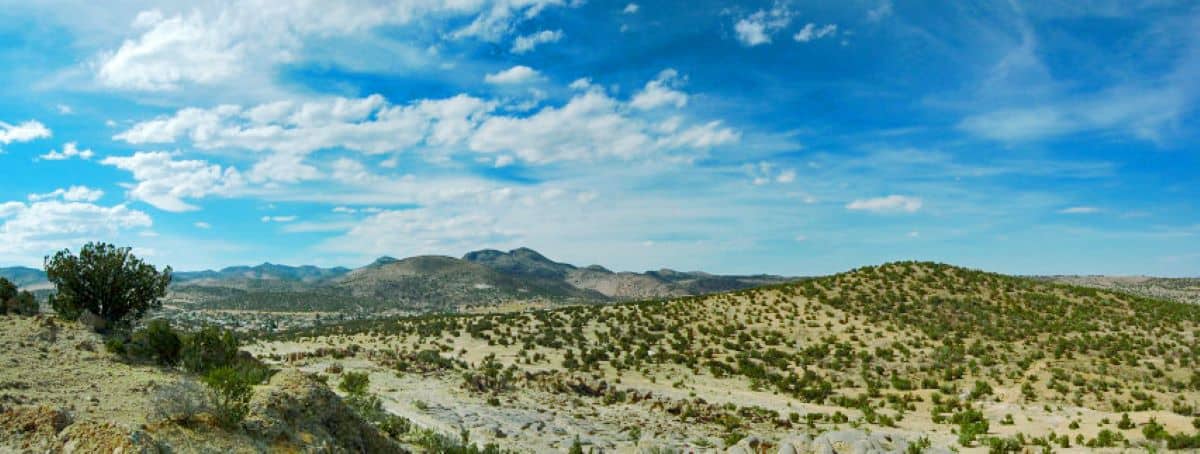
x=519 y=74
x=164 y=182
x=71 y=194
x=225 y=41
x=759 y=27
x=527 y=43
x=889 y=204
x=70 y=150
x=369 y=125
x=591 y=125
x=660 y=92
x=811 y=32
x=22 y=132
x=30 y=230
x=420 y=231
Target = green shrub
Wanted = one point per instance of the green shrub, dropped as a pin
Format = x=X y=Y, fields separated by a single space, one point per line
x=115 y=345
x=1125 y=423
x=354 y=383
x=157 y=342
x=208 y=349
x=23 y=304
x=231 y=388
x=8 y=291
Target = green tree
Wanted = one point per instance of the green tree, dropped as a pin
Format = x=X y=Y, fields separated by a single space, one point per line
x=108 y=281
x=23 y=303
x=8 y=291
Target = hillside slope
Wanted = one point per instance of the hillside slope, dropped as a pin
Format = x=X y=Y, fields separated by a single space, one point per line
x=60 y=391
x=961 y=357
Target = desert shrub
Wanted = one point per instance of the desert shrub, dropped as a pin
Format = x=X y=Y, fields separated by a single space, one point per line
x=370 y=409
x=22 y=304
x=998 y=445
x=179 y=402
x=156 y=342
x=115 y=345
x=8 y=291
x=231 y=387
x=106 y=280
x=1125 y=423
x=354 y=383
x=208 y=349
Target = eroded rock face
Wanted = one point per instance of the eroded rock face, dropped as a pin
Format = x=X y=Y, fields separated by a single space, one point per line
x=45 y=429
x=295 y=409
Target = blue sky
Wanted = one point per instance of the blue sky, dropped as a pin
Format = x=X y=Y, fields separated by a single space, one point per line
x=782 y=137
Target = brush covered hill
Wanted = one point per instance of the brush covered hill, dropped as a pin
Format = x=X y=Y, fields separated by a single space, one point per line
x=1181 y=289
x=438 y=283
x=922 y=352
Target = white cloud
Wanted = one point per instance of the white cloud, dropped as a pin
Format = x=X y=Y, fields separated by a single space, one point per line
x=420 y=231
x=278 y=219
x=346 y=210
x=757 y=28
x=164 y=182
x=1079 y=210
x=659 y=92
x=527 y=43
x=202 y=225
x=290 y=131
x=591 y=125
x=631 y=8
x=888 y=204
x=64 y=109
x=71 y=194
x=228 y=41
x=70 y=150
x=22 y=132
x=811 y=32
x=29 y=231
x=878 y=13
x=519 y=74
x=765 y=173
x=594 y=126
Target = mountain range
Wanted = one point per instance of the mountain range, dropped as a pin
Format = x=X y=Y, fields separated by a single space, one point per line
x=427 y=283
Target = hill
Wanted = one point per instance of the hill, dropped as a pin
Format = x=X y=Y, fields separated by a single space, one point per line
x=25 y=277
x=63 y=392
x=920 y=353
x=1183 y=290
x=480 y=280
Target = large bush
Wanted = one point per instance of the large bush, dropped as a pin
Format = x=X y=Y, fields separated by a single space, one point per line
x=208 y=349
x=108 y=281
x=8 y=291
x=22 y=303
x=157 y=342
x=232 y=387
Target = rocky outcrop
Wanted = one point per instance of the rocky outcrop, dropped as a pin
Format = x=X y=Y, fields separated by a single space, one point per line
x=45 y=429
x=832 y=442
x=294 y=409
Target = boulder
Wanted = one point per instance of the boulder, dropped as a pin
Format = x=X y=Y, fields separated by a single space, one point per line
x=294 y=408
